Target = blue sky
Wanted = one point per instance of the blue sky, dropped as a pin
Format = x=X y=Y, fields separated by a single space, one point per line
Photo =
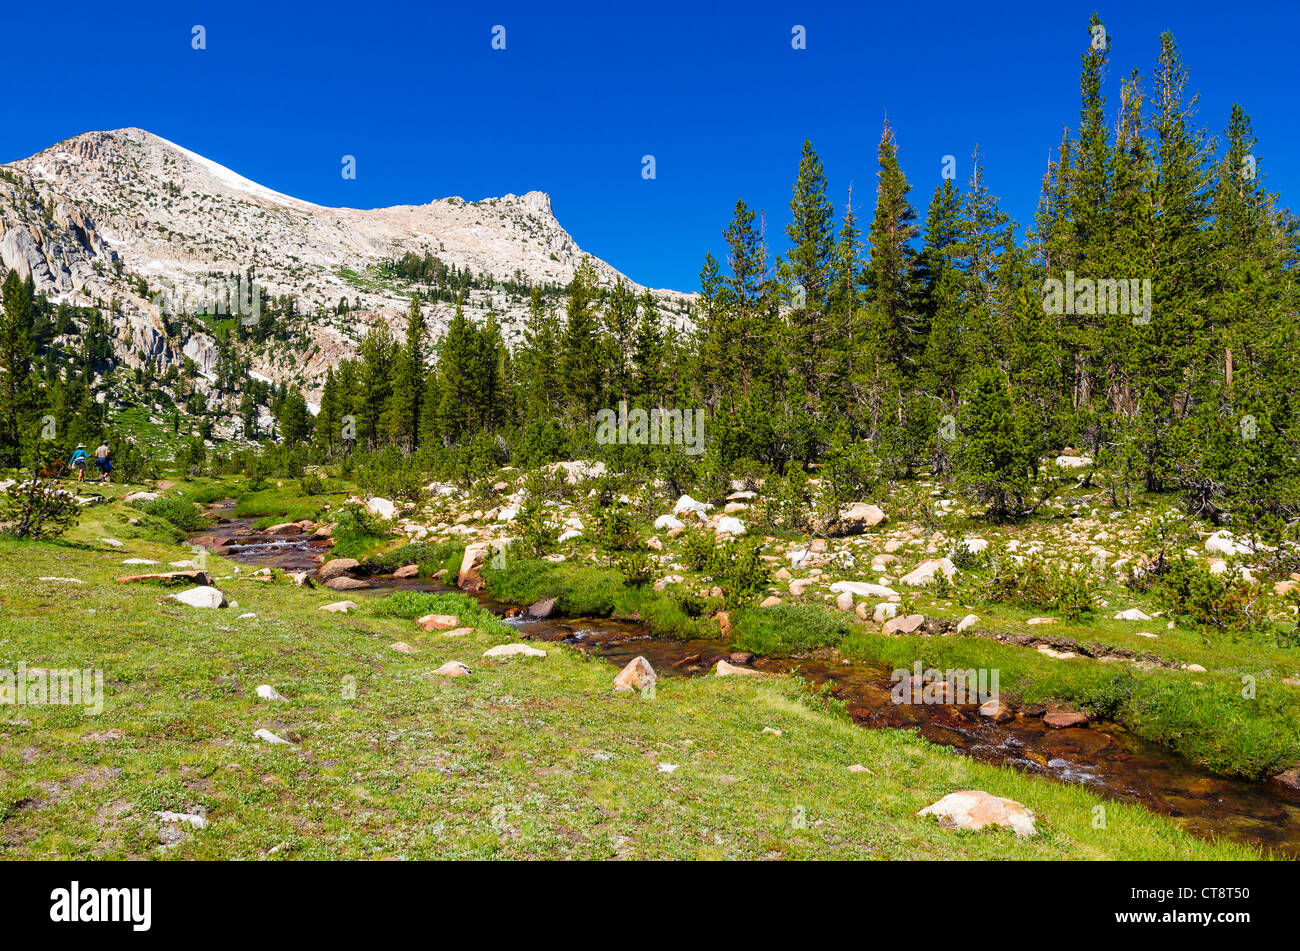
x=714 y=91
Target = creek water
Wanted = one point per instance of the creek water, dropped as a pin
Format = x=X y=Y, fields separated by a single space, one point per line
x=1102 y=756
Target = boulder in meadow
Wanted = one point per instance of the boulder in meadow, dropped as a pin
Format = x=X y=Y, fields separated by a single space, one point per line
x=637 y=675
x=726 y=669
x=975 y=809
x=438 y=622
x=202 y=597
x=923 y=574
x=903 y=625
x=514 y=650
x=857 y=518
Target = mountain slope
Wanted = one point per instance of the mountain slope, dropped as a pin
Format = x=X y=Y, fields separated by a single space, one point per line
x=136 y=224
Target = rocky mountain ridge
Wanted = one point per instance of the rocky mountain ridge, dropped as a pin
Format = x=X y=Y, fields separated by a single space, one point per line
x=133 y=223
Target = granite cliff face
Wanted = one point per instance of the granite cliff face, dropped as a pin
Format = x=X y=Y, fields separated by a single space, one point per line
x=127 y=221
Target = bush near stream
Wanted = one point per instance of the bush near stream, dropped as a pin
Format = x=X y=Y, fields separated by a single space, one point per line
x=790 y=629
x=429 y=556
x=414 y=604
x=357 y=531
x=1038 y=583
x=275 y=504
x=180 y=512
x=208 y=494
x=737 y=566
x=592 y=592
x=1195 y=595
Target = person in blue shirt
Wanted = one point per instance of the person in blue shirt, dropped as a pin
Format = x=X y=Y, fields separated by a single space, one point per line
x=79 y=461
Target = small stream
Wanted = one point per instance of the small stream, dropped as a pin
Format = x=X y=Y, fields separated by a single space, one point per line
x=1103 y=756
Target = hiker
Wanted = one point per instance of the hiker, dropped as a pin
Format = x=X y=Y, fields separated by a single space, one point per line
x=103 y=460
x=78 y=461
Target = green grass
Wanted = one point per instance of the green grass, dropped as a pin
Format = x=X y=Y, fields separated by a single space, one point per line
x=526 y=758
x=207 y=493
x=157 y=438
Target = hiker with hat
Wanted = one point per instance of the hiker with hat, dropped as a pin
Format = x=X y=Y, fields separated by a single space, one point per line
x=103 y=460
x=78 y=461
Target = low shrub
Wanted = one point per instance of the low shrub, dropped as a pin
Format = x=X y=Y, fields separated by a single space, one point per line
x=37 y=510
x=413 y=604
x=534 y=532
x=429 y=556
x=739 y=569
x=1193 y=594
x=637 y=568
x=1040 y=584
x=181 y=512
x=789 y=629
x=697 y=549
x=357 y=531
x=616 y=530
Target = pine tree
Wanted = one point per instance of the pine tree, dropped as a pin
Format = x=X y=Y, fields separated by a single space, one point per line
x=811 y=270
x=374 y=385
x=581 y=347
x=293 y=421
x=890 y=295
x=457 y=366
x=408 y=382
x=712 y=343
x=539 y=359
x=985 y=234
x=649 y=356
x=751 y=357
x=1174 y=344
x=489 y=376
x=845 y=321
x=619 y=325
x=248 y=416
x=893 y=336
x=327 y=420
x=16 y=355
x=431 y=432
x=993 y=465
x=940 y=284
